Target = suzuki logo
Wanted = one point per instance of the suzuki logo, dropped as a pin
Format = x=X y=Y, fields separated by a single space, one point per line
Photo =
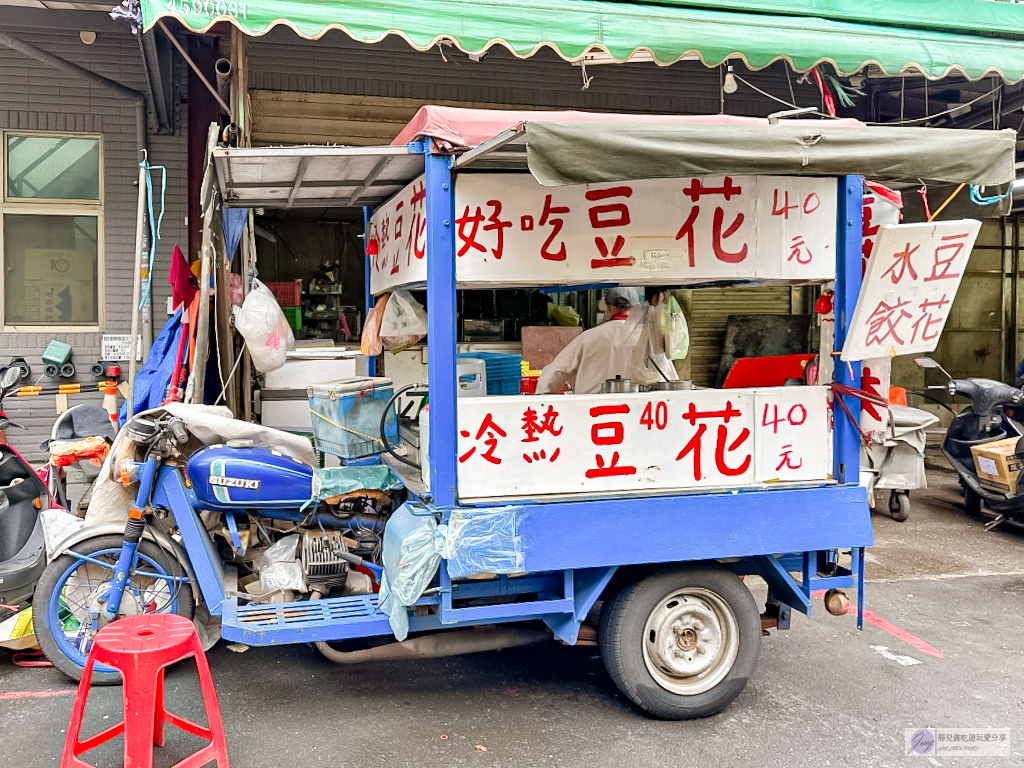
x=235 y=482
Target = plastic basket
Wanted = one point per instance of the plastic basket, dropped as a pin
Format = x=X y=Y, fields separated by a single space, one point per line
x=294 y=315
x=346 y=416
x=288 y=294
x=504 y=370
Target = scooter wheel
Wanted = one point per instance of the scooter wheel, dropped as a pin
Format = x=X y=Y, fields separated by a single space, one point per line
x=899 y=506
x=972 y=503
x=71 y=590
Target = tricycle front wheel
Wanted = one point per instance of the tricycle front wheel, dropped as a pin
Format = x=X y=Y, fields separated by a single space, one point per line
x=682 y=642
x=67 y=609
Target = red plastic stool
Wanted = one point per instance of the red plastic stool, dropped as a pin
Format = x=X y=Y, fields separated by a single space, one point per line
x=141 y=647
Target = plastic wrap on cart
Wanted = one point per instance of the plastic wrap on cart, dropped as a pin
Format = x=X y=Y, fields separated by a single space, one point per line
x=482 y=540
x=650 y=441
x=475 y=541
x=338 y=481
x=909 y=286
x=509 y=230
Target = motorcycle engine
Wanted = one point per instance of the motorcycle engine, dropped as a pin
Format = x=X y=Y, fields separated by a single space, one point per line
x=323 y=568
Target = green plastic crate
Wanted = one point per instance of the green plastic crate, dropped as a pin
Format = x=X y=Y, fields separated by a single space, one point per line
x=294 y=315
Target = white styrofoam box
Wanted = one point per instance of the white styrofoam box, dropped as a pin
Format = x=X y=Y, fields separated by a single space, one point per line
x=314 y=366
x=291 y=415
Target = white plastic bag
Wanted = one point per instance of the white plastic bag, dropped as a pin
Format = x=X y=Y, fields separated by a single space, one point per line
x=264 y=328
x=404 y=321
x=279 y=567
x=648 y=363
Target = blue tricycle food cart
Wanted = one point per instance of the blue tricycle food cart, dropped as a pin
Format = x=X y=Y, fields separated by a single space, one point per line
x=638 y=511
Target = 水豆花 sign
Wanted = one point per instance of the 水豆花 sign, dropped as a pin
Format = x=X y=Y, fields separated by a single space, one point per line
x=909 y=287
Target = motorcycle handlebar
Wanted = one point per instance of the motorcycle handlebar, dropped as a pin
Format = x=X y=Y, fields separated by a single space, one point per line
x=986 y=395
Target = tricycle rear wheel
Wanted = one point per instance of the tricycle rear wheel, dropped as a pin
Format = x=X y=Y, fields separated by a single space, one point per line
x=682 y=642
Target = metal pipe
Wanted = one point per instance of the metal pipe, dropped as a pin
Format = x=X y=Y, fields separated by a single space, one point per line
x=442 y=644
x=188 y=60
x=140 y=233
x=222 y=68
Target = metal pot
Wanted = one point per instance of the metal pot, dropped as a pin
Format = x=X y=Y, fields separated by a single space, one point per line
x=618 y=385
x=672 y=386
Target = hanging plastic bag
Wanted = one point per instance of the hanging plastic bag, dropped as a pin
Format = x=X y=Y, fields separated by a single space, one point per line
x=675 y=329
x=371 y=345
x=403 y=323
x=265 y=328
x=648 y=363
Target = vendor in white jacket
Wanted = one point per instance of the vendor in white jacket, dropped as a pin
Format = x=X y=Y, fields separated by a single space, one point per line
x=601 y=353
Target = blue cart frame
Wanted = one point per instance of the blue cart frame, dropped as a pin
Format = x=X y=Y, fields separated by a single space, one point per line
x=568 y=562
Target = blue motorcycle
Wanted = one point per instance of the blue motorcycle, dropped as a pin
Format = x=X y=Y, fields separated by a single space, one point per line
x=110 y=571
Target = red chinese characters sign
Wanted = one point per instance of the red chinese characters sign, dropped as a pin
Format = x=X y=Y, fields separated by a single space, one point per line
x=398 y=229
x=509 y=230
x=514 y=446
x=909 y=287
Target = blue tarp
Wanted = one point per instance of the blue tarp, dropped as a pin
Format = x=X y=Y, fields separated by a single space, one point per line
x=155 y=375
x=234 y=220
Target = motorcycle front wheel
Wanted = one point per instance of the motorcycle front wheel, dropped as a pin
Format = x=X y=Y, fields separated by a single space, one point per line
x=67 y=610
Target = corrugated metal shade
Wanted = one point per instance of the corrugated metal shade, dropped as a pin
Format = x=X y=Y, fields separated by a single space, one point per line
x=796 y=32
x=313 y=177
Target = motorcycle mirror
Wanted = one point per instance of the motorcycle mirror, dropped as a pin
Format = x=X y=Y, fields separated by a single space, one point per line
x=927 y=362
x=10 y=377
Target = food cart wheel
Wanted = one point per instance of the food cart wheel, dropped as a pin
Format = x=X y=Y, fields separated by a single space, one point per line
x=899 y=505
x=682 y=642
x=972 y=503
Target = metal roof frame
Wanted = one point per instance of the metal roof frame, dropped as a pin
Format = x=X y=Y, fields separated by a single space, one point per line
x=313 y=176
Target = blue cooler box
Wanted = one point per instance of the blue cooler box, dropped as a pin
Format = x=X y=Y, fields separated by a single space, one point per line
x=346 y=416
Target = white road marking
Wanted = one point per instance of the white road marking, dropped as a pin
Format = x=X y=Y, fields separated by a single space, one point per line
x=884 y=652
x=943 y=576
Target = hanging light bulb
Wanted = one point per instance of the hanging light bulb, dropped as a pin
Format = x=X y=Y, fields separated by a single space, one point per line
x=730 y=85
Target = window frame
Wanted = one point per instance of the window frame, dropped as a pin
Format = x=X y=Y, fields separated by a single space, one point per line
x=56 y=207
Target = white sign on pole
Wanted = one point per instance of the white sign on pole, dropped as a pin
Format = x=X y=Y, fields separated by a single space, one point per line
x=909 y=287
x=511 y=231
x=585 y=444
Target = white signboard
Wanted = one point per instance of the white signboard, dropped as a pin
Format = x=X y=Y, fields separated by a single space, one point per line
x=511 y=231
x=116 y=347
x=398 y=231
x=909 y=287
x=563 y=444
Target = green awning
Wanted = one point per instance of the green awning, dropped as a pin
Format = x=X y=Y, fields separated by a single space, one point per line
x=936 y=38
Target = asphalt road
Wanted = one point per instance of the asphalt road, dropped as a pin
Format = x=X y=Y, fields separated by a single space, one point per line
x=823 y=693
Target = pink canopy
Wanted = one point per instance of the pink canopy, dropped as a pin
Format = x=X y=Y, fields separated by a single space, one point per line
x=459 y=128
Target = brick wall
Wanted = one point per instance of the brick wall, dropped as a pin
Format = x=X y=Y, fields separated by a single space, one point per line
x=37 y=97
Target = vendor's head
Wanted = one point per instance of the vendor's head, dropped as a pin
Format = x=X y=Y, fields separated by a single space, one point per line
x=620 y=299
